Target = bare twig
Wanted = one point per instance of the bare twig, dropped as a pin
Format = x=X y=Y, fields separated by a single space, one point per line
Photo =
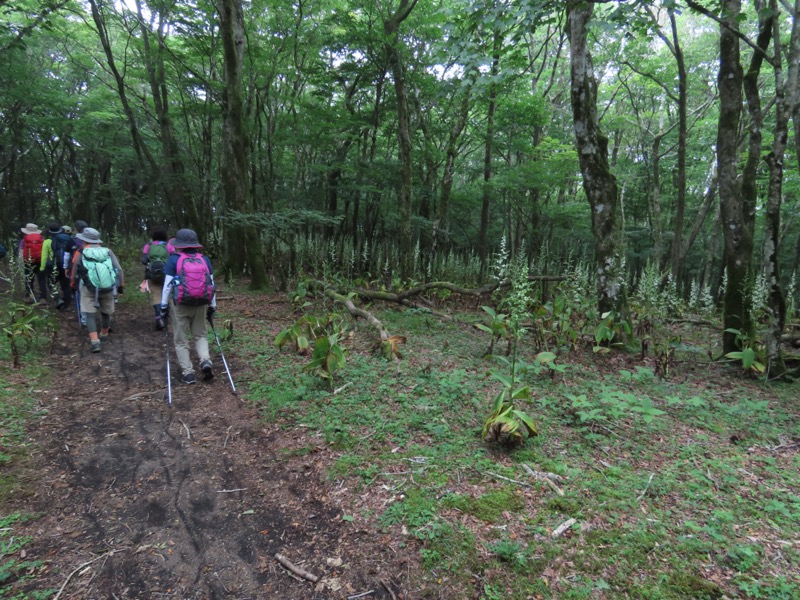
x=559 y=531
x=522 y=483
x=339 y=390
x=227 y=434
x=388 y=588
x=231 y=491
x=188 y=433
x=544 y=477
x=361 y=595
x=83 y=566
x=295 y=569
x=142 y=395
x=647 y=487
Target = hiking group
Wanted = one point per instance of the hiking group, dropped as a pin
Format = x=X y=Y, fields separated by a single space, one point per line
x=80 y=269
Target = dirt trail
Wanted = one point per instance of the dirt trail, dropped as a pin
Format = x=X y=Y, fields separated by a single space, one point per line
x=192 y=501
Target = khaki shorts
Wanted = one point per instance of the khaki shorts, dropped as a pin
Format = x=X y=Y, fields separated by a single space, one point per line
x=87 y=301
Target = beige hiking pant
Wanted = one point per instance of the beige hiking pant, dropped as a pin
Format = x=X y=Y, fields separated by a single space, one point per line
x=190 y=323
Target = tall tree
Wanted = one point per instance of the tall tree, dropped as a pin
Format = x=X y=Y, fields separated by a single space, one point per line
x=235 y=169
x=599 y=182
x=391 y=29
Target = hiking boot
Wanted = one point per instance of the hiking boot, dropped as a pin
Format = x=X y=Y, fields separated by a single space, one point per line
x=103 y=337
x=205 y=367
x=159 y=324
x=60 y=304
x=188 y=378
x=95 y=346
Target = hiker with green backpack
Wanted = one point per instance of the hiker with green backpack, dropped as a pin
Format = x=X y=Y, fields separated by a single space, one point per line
x=154 y=258
x=97 y=275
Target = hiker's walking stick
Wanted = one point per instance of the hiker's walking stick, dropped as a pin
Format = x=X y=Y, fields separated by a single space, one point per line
x=166 y=349
x=222 y=354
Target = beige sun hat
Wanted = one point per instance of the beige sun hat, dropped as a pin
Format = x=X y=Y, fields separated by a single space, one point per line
x=31 y=228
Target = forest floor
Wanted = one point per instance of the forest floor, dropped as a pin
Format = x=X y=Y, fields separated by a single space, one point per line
x=137 y=499
x=683 y=485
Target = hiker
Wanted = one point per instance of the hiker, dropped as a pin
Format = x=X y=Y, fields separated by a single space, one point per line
x=189 y=291
x=154 y=258
x=30 y=258
x=53 y=260
x=73 y=247
x=97 y=276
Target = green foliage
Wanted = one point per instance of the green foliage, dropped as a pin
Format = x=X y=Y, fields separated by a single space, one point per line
x=488 y=507
x=610 y=331
x=14 y=570
x=499 y=327
x=752 y=354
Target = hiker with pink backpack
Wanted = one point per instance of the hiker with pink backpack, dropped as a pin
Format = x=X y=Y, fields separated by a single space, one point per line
x=189 y=291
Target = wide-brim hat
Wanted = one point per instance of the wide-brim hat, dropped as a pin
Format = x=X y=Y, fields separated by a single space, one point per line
x=186 y=238
x=90 y=236
x=54 y=228
x=30 y=228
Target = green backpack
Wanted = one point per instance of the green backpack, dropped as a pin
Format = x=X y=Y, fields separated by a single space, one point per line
x=99 y=272
x=157 y=256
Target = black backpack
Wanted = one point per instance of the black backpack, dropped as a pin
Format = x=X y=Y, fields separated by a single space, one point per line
x=2 y=251
x=59 y=246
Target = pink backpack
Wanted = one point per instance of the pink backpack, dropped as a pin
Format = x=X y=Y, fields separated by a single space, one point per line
x=194 y=285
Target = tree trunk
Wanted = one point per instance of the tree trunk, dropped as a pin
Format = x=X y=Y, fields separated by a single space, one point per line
x=785 y=92
x=172 y=169
x=599 y=183
x=483 y=233
x=680 y=176
x=738 y=249
x=391 y=26
x=235 y=154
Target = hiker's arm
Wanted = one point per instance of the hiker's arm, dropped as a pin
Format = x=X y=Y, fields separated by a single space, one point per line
x=47 y=254
x=118 y=267
x=166 y=291
x=144 y=258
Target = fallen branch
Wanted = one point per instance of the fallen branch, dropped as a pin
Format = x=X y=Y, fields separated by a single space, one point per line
x=142 y=395
x=385 y=584
x=231 y=491
x=522 y=483
x=647 y=487
x=361 y=595
x=559 y=531
x=188 y=433
x=83 y=566
x=294 y=569
x=544 y=478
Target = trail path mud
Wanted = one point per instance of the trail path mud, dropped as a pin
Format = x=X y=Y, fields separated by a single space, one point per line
x=140 y=500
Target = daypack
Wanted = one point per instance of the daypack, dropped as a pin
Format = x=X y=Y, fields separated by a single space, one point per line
x=58 y=247
x=32 y=248
x=98 y=270
x=194 y=285
x=157 y=256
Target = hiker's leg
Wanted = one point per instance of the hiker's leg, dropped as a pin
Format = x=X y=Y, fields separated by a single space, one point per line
x=91 y=325
x=66 y=291
x=88 y=312
x=106 y=310
x=30 y=275
x=41 y=278
x=199 y=332
x=183 y=325
x=155 y=298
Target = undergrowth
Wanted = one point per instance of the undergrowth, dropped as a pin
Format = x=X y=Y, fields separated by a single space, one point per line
x=682 y=483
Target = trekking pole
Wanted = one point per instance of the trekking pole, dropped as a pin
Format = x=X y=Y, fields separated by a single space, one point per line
x=169 y=378
x=222 y=354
